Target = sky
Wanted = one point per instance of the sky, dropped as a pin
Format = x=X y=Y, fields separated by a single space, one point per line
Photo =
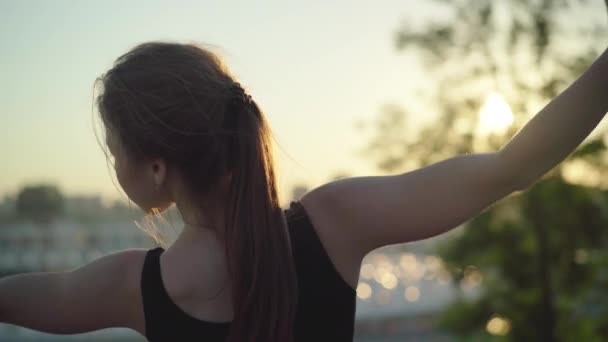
x=316 y=68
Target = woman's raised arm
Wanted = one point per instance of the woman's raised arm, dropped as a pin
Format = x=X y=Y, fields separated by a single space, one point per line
x=554 y=133
x=359 y=214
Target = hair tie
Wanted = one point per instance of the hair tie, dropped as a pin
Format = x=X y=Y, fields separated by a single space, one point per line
x=238 y=99
x=241 y=94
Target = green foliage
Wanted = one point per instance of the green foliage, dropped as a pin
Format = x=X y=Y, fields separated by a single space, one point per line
x=589 y=149
x=542 y=253
x=519 y=279
x=40 y=203
x=527 y=51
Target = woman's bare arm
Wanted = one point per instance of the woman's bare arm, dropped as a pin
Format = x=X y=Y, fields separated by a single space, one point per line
x=102 y=294
x=552 y=134
x=364 y=213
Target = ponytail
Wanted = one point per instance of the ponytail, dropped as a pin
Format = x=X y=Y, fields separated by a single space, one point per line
x=257 y=241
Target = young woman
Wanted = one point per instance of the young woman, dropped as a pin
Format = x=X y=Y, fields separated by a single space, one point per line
x=183 y=131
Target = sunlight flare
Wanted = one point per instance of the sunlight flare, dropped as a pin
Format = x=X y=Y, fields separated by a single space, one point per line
x=495 y=115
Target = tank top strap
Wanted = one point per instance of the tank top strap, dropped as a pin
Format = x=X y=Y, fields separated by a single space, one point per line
x=310 y=255
x=305 y=242
x=326 y=303
x=152 y=290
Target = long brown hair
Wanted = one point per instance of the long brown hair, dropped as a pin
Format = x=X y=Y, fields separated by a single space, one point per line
x=180 y=102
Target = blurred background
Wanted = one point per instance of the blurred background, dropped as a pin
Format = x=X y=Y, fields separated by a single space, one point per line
x=351 y=88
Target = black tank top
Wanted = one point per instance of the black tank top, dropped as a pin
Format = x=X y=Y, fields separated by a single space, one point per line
x=326 y=302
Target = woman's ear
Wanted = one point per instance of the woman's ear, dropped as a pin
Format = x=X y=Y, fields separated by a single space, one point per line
x=159 y=171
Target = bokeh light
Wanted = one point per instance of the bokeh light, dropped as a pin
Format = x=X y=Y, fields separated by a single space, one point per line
x=364 y=291
x=498 y=326
x=412 y=294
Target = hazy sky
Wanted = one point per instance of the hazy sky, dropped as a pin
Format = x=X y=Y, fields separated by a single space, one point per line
x=315 y=67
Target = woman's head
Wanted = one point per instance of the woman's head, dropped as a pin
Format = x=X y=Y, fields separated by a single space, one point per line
x=164 y=107
x=141 y=180
x=180 y=126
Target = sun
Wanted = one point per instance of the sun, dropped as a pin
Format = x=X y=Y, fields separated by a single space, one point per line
x=495 y=115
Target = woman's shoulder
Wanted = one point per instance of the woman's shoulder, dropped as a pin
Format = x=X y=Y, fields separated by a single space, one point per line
x=345 y=259
x=130 y=260
x=133 y=261
x=129 y=264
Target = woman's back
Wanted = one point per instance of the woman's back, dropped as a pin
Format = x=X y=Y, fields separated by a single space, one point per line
x=326 y=301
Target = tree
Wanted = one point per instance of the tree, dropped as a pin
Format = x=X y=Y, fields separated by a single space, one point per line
x=534 y=253
x=41 y=203
x=525 y=60
x=527 y=52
